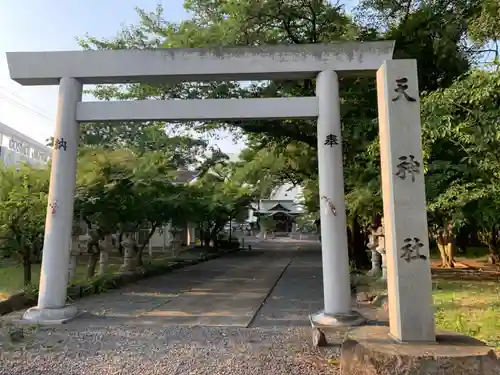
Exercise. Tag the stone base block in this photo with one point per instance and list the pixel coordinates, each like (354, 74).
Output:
(322, 319)
(36, 315)
(369, 350)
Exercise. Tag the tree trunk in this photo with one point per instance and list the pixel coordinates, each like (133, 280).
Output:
(138, 255)
(493, 255)
(202, 234)
(94, 253)
(462, 239)
(446, 240)
(37, 251)
(214, 234)
(27, 268)
(93, 259)
(358, 256)
(207, 240)
(120, 239)
(141, 248)
(474, 236)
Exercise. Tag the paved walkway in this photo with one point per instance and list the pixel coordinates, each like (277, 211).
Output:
(258, 288)
(246, 313)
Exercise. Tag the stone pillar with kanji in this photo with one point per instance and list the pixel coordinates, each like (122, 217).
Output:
(409, 284)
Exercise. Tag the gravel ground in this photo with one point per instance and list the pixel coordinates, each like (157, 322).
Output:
(117, 337)
(164, 350)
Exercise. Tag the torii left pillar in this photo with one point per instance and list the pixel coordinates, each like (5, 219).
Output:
(52, 296)
(336, 278)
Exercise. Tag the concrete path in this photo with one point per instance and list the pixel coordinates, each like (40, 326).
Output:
(276, 285)
(298, 293)
(224, 292)
(231, 291)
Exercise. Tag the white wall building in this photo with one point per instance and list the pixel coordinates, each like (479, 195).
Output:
(284, 205)
(16, 148)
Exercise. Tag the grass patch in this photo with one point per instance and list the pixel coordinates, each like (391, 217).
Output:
(475, 252)
(469, 307)
(11, 277)
(11, 274)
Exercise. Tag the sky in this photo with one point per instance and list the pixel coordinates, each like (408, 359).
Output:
(54, 25)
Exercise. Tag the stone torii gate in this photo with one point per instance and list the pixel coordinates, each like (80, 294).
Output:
(409, 281)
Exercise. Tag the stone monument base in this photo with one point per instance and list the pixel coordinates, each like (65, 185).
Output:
(369, 350)
(62, 315)
(321, 319)
(322, 322)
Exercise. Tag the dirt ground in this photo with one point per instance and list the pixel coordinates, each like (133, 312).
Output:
(467, 269)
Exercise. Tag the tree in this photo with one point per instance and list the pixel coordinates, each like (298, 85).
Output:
(23, 207)
(220, 200)
(432, 32)
(485, 28)
(122, 190)
(104, 195)
(462, 139)
(154, 182)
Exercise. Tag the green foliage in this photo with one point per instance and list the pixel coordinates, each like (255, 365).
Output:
(119, 190)
(485, 26)
(459, 146)
(104, 192)
(221, 199)
(306, 222)
(462, 139)
(23, 205)
(113, 186)
(267, 223)
(433, 32)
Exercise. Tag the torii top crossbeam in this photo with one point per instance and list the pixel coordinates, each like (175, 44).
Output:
(197, 64)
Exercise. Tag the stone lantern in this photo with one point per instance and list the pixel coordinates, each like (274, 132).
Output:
(129, 252)
(77, 246)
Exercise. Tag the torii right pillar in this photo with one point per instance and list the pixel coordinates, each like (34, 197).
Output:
(409, 283)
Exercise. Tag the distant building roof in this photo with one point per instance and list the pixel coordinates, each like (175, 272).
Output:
(286, 192)
(279, 207)
(183, 176)
(272, 206)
